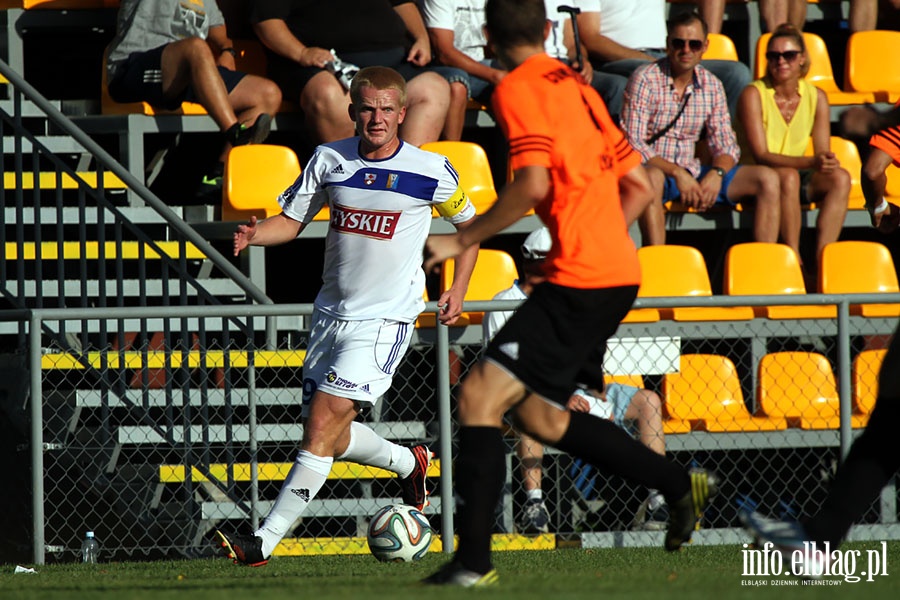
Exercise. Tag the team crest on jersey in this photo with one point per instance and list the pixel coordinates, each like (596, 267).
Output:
(392, 181)
(369, 178)
(338, 170)
(379, 224)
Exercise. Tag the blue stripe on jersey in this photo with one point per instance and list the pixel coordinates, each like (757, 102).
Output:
(410, 184)
(452, 171)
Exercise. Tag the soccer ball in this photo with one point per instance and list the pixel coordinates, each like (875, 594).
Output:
(399, 533)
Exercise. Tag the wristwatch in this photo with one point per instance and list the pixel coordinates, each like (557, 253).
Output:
(720, 171)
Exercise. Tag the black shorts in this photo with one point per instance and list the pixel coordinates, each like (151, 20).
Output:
(138, 78)
(292, 77)
(556, 340)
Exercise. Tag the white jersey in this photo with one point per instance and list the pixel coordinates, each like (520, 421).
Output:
(465, 18)
(618, 18)
(380, 216)
(496, 319)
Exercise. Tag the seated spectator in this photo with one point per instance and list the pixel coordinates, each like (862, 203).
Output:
(631, 34)
(560, 44)
(170, 52)
(303, 37)
(622, 404)
(858, 124)
(779, 113)
(866, 15)
(456, 30)
(668, 104)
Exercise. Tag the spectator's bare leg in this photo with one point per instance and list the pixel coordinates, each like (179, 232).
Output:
(652, 220)
(873, 179)
(831, 191)
(789, 180)
(428, 99)
(456, 114)
(646, 410)
(760, 183)
(863, 15)
(190, 62)
(325, 106)
(713, 12)
(531, 458)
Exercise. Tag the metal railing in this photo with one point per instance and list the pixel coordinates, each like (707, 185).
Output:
(189, 439)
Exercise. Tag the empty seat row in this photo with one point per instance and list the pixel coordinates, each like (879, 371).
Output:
(794, 390)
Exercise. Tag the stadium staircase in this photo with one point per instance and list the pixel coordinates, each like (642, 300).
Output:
(121, 396)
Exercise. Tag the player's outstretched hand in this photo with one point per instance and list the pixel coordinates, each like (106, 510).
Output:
(243, 235)
(439, 248)
(451, 303)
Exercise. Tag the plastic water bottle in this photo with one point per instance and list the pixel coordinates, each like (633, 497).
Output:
(89, 548)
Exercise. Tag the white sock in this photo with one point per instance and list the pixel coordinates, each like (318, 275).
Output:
(537, 494)
(368, 448)
(303, 482)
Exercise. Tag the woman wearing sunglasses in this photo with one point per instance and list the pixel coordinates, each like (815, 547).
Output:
(779, 114)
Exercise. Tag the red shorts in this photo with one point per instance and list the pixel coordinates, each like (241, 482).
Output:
(888, 140)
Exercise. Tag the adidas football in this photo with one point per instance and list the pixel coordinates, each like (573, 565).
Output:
(399, 533)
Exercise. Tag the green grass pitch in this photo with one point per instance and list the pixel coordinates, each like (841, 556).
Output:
(703, 572)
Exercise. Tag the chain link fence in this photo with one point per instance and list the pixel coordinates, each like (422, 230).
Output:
(158, 427)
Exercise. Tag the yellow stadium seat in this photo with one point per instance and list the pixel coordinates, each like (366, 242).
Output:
(254, 177)
(680, 271)
(848, 155)
(892, 191)
(471, 162)
(761, 268)
(495, 271)
(632, 380)
(800, 387)
(720, 48)
(820, 71)
(858, 267)
(707, 392)
(873, 64)
(866, 367)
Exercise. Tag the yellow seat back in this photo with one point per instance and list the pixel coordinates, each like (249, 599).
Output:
(866, 367)
(799, 386)
(471, 162)
(495, 271)
(764, 268)
(254, 177)
(720, 48)
(860, 267)
(873, 64)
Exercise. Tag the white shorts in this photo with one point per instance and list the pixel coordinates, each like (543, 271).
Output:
(353, 359)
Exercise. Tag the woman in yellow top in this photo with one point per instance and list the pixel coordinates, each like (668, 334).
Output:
(779, 114)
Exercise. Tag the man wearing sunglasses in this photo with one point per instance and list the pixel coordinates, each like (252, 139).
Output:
(669, 104)
(625, 35)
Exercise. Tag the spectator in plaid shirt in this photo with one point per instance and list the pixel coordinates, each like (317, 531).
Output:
(668, 105)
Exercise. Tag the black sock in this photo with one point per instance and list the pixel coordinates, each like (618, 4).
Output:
(480, 472)
(610, 449)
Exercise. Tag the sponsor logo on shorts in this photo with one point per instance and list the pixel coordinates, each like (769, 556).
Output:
(340, 382)
(301, 493)
(379, 224)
